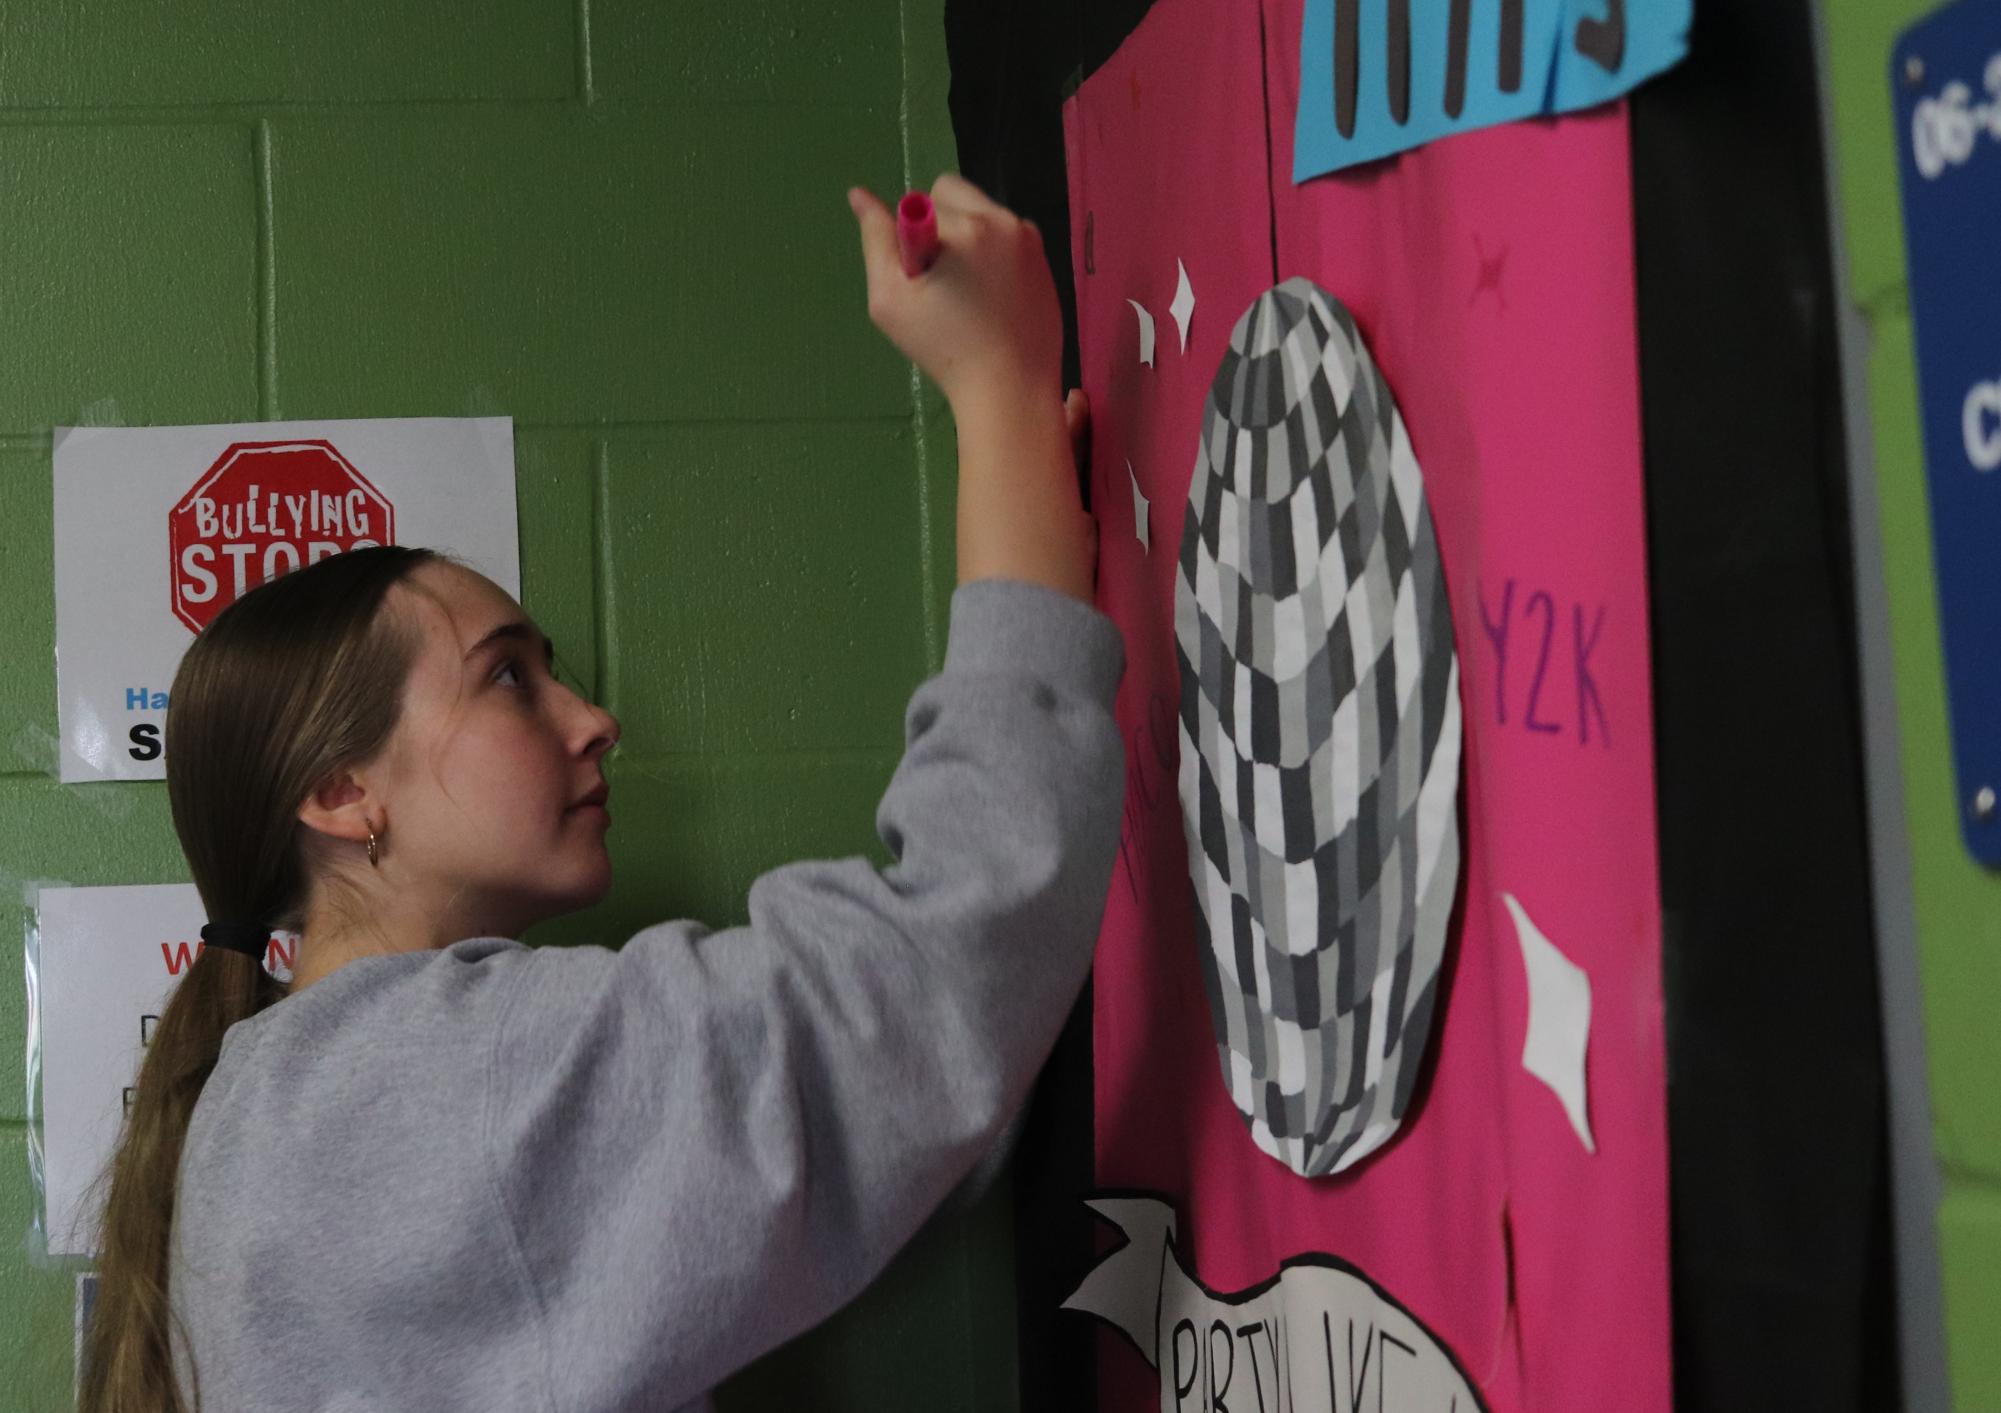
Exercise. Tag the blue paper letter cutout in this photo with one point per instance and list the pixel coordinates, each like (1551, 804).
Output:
(1382, 76)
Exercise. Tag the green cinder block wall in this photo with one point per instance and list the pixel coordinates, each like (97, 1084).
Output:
(1958, 903)
(622, 223)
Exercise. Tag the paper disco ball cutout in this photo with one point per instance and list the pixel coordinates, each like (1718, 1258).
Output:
(1320, 730)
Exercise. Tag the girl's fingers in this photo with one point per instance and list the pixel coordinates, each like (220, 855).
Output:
(1077, 416)
(878, 236)
(955, 228)
(956, 193)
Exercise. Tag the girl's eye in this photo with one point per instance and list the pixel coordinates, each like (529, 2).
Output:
(510, 665)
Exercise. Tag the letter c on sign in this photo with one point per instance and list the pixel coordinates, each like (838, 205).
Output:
(1980, 422)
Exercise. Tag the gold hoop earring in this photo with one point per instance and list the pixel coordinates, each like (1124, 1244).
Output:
(371, 848)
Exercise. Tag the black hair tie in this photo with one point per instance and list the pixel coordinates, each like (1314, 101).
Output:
(249, 938)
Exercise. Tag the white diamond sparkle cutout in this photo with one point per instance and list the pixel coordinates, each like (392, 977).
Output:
(1139, 512)
(1559, 1026)
(1145, 332)
(1184, 304)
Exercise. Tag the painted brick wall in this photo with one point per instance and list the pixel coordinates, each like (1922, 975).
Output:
(1958, 904)
(622, 223)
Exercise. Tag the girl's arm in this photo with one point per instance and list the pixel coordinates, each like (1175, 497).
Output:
(706, 1142)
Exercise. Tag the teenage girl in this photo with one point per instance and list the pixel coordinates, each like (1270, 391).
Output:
(442, 1170)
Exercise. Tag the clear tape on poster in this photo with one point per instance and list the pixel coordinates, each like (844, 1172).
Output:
(33, 749)
(36, 1239)
(79, 1267)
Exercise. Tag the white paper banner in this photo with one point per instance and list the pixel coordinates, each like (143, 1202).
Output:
(157, 529)
(109, 960)
(1320, 1335)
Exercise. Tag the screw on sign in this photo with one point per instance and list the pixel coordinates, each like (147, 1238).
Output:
(262, 510)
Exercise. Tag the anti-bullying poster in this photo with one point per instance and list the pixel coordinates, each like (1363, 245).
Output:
(1379, 1088)
(158, 529)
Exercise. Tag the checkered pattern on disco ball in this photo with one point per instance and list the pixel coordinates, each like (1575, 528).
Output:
(1320, 733)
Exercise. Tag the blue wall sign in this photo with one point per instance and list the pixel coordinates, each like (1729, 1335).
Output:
(1945, 78)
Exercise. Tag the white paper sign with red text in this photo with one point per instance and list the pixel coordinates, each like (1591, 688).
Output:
(108, 960)
(158, 529)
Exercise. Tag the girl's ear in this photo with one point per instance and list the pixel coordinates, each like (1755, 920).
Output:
(340, 806)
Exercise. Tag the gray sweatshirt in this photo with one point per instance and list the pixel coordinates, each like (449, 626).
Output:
(578, 1180)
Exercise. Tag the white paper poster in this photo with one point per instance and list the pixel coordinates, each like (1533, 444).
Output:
(158, 529)
(109, 960)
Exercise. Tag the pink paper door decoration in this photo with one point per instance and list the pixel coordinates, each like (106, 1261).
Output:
(1446, 1189)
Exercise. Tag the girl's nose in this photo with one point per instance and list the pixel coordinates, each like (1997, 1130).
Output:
(608, 729)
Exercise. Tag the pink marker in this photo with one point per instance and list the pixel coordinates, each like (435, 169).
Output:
(916, 232)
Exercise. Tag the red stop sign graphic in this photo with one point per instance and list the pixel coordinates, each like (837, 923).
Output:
(262, 510)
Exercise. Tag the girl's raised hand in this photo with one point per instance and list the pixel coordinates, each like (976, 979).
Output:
(983, 321)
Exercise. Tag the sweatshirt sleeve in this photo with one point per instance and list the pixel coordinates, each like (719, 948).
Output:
(707, 1141)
